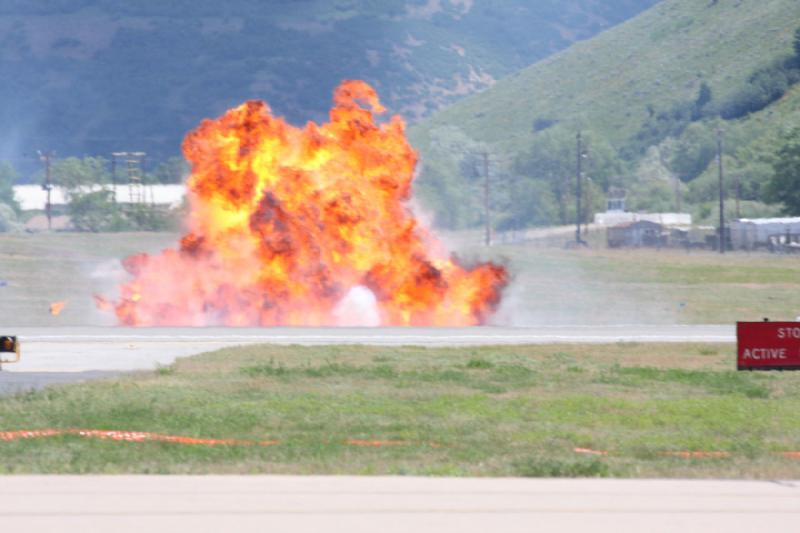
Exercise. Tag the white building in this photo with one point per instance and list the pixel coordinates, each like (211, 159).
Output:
(34, 197)
(751, 233)
(615, 218)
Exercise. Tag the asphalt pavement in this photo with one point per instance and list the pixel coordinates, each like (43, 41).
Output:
(110, 348)
(301, 504)
(74, 354)
(16, 382)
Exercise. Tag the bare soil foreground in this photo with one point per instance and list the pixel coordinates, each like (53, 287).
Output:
(620, 410)
(550, 285)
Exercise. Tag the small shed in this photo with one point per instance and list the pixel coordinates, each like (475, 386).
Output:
(639, 234)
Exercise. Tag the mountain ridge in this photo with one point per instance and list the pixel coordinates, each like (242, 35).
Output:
(94, 76)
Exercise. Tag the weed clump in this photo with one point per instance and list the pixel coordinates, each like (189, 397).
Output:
(480, 364)
(549, 467)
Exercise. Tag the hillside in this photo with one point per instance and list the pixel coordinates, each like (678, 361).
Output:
(621, 82)
(607, 83)
(92, 76)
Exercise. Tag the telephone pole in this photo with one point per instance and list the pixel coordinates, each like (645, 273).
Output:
(578, 193)
(486, 200)
(46, 157)
(721, 193)
(134, 163)
(589, 204)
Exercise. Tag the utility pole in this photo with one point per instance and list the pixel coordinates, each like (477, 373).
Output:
(721, 193)
(738, 196)
(134, 163)
(589, 203)
(486, 198)
(578, 193)
(46, 157)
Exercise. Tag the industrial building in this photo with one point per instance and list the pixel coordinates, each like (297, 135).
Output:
(34, 197)
(773, 234)
(639, 234)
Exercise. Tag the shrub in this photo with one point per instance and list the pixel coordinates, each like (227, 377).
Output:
(549, 467)
(764, 86)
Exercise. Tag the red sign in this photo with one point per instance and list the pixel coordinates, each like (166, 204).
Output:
(768, 345)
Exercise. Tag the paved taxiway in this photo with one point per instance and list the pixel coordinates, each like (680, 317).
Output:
(368, 504)
(119, 349)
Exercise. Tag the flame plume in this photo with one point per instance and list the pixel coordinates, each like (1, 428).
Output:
(285, 221)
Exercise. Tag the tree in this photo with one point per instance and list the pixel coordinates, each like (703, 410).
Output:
(694, 150)
(93, 211)
(784, 186)
(452, 179)
(531, 204)
(797, 45)
(74, 173)
(704, 98)
(552, 160)
(7, 178)
(91, 204)
(173, 170)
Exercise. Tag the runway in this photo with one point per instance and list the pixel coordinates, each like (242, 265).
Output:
(84, 349)
(393, 504)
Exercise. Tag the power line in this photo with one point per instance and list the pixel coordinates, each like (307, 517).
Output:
(578, 192)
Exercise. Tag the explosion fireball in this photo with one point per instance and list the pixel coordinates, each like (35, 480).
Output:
(286, 224)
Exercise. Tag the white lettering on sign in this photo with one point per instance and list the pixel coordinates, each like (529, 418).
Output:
(789, 333)
(765, 354)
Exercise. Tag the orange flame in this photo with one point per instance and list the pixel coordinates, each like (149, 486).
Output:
(57, 307)
(286, 221)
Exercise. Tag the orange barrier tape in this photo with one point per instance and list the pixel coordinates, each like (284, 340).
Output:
(589, 451)
(129, 436)
(381, 443)
(687, 454)
(142, 436)
(376, 443)
(695, 454)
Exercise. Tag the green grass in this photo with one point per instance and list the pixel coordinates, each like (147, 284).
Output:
(550, 285)
(599, 286)
(492, 411)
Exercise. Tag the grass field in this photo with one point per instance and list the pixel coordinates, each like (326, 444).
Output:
(42, 268)
(550, 285)
(647, 286)
(494, 411)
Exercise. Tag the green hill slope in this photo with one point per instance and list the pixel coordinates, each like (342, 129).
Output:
(607, 83)
(93, 76)
(617, 84)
